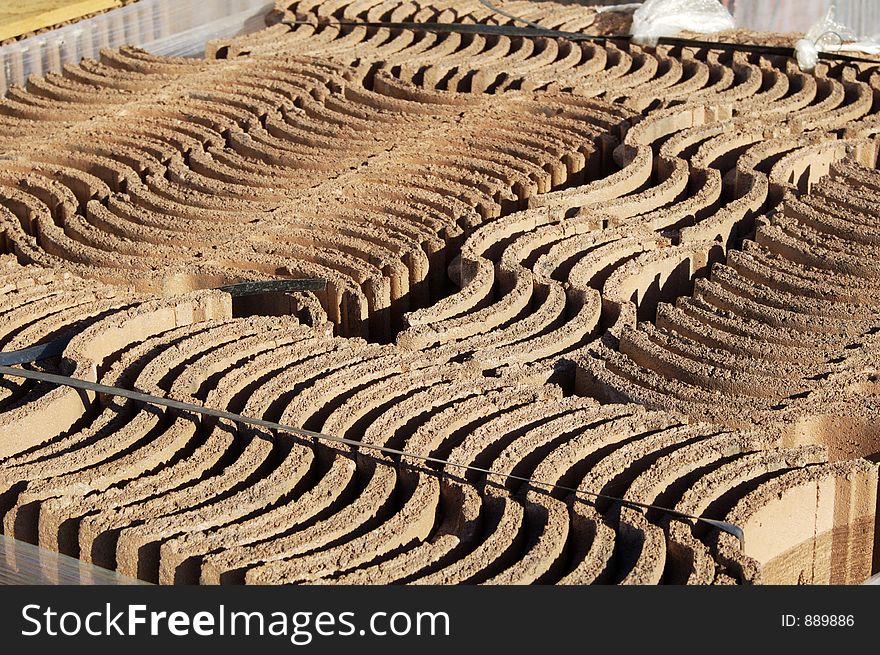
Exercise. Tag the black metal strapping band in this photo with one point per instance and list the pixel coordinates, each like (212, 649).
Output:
(150, 399)
(536, 32)
(274, 286)
(460, 28)
(498, 10)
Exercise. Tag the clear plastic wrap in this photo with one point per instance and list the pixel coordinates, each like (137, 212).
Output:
(862, 16)
(178, 28)
(22, 563)
(659, 18)
(828, 35)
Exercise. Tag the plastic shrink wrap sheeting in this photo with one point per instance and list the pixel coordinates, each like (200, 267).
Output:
(176, 28)
(861, 16)
(23, 563)
(659, 18)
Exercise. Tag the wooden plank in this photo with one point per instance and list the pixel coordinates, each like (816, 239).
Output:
(19, 17)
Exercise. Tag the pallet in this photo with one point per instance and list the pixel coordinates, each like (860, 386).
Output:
(18, 17)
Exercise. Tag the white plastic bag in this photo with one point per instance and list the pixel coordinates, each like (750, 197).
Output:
(658, 18)
(828, 35)
(824, 36)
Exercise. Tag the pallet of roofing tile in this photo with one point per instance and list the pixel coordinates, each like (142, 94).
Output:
(647, 273)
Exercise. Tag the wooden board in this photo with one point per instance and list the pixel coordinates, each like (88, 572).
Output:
(19, 17)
